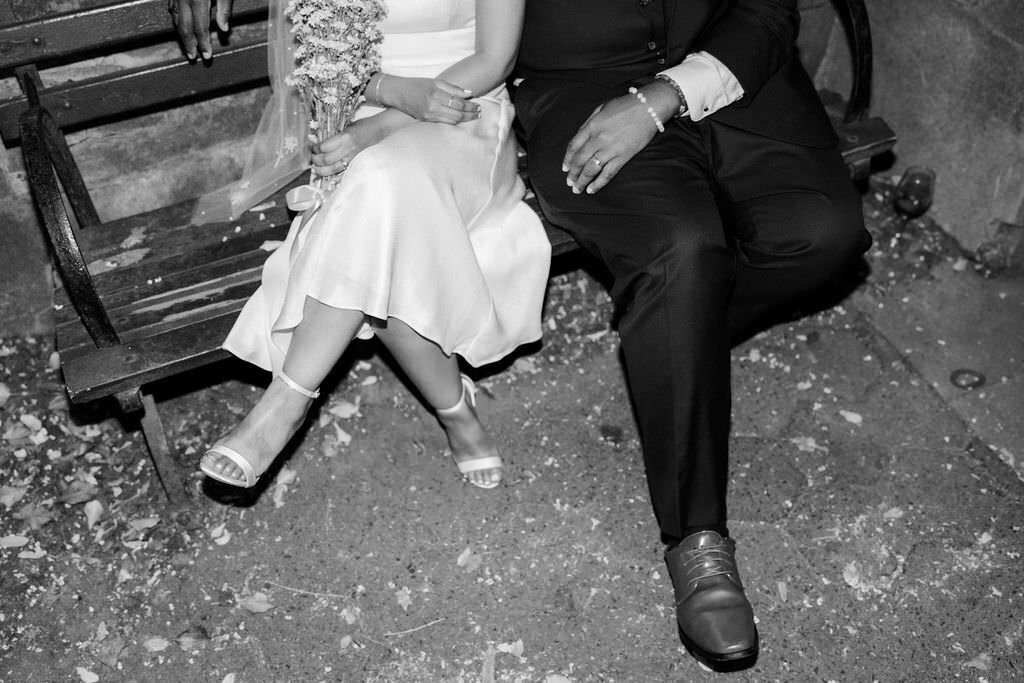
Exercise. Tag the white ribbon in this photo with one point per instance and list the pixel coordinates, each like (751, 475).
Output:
(305, 198)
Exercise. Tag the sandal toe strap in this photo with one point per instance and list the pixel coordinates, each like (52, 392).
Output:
(249, 474)
(485, 462)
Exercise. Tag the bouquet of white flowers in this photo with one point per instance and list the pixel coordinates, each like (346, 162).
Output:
(338, 50)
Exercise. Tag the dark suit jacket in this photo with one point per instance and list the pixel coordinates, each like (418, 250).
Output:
(618, 42)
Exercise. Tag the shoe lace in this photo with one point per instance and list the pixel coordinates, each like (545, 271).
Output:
(703, 563)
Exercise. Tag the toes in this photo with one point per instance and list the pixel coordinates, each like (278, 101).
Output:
(486, 478)
(222, 466)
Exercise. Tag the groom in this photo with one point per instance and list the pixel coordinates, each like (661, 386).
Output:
(681, 143)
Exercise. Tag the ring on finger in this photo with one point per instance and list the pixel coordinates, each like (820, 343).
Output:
(597, 162)
(450, 100)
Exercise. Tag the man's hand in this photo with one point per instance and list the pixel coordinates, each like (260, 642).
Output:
(613, 134)
(192, 19)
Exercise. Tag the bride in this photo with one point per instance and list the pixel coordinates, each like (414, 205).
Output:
(424, 242)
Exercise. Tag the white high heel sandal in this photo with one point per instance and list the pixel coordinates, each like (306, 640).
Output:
(249, 476)
(486, 461)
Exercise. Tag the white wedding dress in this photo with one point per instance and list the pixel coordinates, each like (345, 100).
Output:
(426, 226)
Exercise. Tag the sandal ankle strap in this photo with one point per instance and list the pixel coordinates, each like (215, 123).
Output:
(468, 396)
(295, 386)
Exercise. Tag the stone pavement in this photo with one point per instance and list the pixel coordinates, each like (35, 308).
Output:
(877, 509)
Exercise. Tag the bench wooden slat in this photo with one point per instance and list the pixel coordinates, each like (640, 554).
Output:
(94, 373)
(173, 305)
(132, 91)
(57, 36)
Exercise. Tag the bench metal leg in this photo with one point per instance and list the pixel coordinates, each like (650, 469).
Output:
(167, 471)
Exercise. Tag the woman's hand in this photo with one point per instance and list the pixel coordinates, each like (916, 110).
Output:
(334, 154)
(613, 134)
(429, 99)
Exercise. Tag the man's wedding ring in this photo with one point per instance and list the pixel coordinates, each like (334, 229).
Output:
(597, 161)
(450, 100)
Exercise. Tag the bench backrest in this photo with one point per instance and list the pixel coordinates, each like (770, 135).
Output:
(70, 37)
(27, 47)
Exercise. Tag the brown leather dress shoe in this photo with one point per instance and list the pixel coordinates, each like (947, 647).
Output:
(716, 622)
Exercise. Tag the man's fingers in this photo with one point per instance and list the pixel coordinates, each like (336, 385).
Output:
(186, 28)
(589, 168)
(572, 151)
(607, 173)
(201, 20)
(224, 15)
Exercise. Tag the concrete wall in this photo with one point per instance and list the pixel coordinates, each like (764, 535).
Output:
(948, 80)
(945, 79)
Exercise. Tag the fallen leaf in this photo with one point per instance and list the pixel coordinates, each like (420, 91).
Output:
(93, 511)
(515, 649)
(156, 644)
(345, 409)
(468, 560)
(851, 575)
(851, 416)
(109, 651)
(85, 675)
(33, 554)
(404, 597)
(220, 534)
(5, 393)
(78, 491)
(35, 515)
(257, 603)
(284, 478)
(193, 638)
(343, 437)
(58, 403)
(144, 523)
(9, 495)
(807, 444)
(13, 541)
(982, 662)
(17, 432)
(32, 422)
(893, 513)
(230, 678)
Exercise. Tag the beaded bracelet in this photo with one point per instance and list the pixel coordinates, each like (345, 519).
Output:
(683, 107)
(650, 110)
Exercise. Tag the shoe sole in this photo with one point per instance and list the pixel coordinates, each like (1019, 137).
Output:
(734, 661)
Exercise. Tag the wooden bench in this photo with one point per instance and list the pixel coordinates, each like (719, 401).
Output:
(149, 296)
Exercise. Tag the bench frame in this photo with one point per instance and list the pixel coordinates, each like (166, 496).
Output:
(99, 358)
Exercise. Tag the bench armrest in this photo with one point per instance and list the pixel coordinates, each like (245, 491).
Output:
(854, 16)
(53, 178)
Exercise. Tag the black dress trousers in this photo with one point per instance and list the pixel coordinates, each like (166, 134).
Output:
(707, 232)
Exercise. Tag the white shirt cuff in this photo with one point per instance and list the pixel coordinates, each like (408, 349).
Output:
(707, 84)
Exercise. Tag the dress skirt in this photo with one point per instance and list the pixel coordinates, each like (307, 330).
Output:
(426, 226)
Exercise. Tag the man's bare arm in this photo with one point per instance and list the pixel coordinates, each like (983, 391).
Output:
(192, 20)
